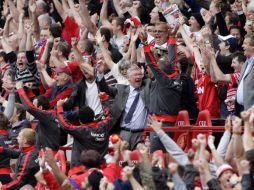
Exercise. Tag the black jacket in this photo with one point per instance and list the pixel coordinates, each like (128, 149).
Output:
(26, 167)
(78, 96)
(13, 131)
(4, 142)
(48, 129)
(90, 136)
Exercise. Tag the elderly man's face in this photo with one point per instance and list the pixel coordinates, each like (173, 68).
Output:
(135, 76)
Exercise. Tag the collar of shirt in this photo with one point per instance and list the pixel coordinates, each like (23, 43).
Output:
(250, 60)
(162, 47)
(132, 89)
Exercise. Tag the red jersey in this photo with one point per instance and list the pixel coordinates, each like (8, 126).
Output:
(232, 88)
(208, 96)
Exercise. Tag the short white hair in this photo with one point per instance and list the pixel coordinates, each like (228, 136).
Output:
(133, 67)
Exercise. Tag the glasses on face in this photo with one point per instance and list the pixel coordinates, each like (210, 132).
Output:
(159, 31)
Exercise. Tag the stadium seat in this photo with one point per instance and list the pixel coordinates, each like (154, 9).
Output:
(181, 138)
(203, 120)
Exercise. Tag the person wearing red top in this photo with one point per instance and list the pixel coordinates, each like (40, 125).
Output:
(4, 66)
(27, 164)
(63, 86)
(238, 60)
(208, 96)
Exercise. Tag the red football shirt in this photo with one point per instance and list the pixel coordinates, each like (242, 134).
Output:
(208, 96)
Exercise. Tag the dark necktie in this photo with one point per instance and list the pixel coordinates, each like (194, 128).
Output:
(132, 109)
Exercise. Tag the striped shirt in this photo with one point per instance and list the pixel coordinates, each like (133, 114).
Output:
(232, 88)
(110, 79)
(30, 74)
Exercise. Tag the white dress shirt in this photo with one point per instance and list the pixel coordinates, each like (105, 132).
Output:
(239, 93)
(139, 118)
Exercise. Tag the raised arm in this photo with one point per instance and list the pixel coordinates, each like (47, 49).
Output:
(237, 141)
(60, 10)
(248, 117)
(21, 26)
(171, 147)
(128, 172)
(216, 157)
(205, 171)
(225, 139)
(36, 26)
(108, 60)
(104, 14)
(14, 11)
(65, 5)
(29, 40)
(193, 47)
(118, 8)
(7, 25)
(46, 80)
(86, 19)
(79, 58)
(9, 109)
(45, 55)
(60, 177)
(219, 76)
(162, 78)
(36, 112)
(74, 10)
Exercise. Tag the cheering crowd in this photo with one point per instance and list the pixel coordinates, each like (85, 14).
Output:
(91, 75)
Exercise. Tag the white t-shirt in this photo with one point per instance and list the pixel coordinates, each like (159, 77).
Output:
(118, 41)
(92, 98)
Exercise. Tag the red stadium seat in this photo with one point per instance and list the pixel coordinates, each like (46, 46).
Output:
(203, 120)
(182, 119)
(181, 138)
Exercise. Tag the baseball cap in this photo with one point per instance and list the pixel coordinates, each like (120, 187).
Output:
(63, 69)
(222, 169)
(230, 40)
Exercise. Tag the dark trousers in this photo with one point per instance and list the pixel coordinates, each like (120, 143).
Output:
(132, 138)
(238, 109)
